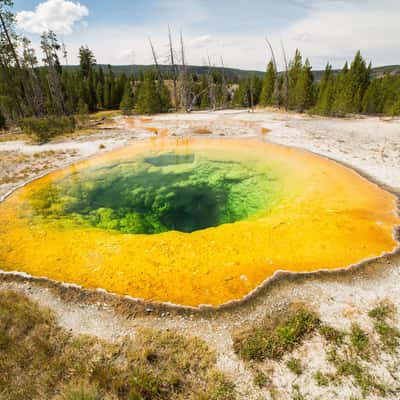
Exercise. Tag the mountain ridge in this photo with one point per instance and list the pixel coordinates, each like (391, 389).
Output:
(230, 73)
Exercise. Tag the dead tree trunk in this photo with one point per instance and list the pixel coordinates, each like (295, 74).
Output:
(26, 93)
(210, 83)
(275, 95)
(174, 70)
(153, 52)
(224, 86)
(251, 95)
(183, 78)
(286, 78)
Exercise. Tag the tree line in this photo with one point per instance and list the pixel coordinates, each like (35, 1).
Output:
(352, 90)
(30, 89)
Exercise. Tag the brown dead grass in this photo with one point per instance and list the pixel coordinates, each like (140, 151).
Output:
(16, 167)
(40, 360)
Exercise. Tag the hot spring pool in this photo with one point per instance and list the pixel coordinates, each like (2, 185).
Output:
(194, 221)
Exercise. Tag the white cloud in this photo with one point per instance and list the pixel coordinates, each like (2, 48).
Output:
(200, 41)
(338, 28)
(327, 30)
(56, 15)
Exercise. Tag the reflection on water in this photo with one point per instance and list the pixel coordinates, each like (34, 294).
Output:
(194, 221)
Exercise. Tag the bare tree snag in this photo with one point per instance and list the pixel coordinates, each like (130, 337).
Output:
(174, 69)
(286, 78)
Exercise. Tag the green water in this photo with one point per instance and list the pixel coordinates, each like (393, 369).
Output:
(158, 193)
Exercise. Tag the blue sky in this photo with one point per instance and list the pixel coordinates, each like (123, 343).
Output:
(117, 31)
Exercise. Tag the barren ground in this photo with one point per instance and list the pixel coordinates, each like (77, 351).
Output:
(370, 145)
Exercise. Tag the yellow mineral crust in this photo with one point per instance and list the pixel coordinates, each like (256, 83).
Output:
(329, 217)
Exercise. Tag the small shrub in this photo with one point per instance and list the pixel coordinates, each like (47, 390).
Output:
(294, 364)
(45, 128)
(293, 331)
(144, 385)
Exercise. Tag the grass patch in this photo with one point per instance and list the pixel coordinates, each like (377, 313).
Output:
(381, 312)
(100, 115)
(321, 379)
(155, 365)
(260, 379)
(296, 393)
(388, 334)
(359, 340)
(362, 378)
(351, 367)
(294, 364)
(331, 334)
(275, 338)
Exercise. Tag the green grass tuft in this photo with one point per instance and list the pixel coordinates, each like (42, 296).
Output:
(359, 340)
(321, 379)
(274, 340)
(389, 335)
(331, 334)
(294, 364)
(260, 379)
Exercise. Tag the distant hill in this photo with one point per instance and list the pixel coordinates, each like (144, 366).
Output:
(136, 69)
(230, 73)
(377, 72)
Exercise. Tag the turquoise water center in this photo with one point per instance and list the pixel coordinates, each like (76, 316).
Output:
(159, 192)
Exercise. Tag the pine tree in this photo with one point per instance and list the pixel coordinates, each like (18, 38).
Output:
(358, 81)
(100, 94)
(326, 92)
(373, 99)
(303, 91)
(148, 99)
(82, 107)
(107, 95)
(205, 101)
(2, 121)
(86, 61)
(294, 73)
(165, 97)
(339, 105)
(50, 47)
(127, 102)
(267, 92)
